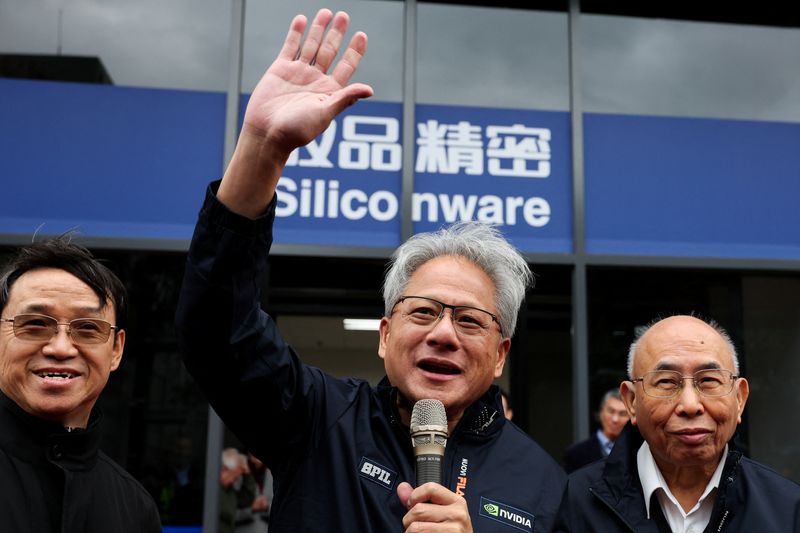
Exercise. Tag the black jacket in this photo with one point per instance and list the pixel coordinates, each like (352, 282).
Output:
(582, 453)
(52, 480)
(607, 496)
(336, 448)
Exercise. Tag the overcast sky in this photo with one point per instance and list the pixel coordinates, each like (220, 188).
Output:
(466, 55)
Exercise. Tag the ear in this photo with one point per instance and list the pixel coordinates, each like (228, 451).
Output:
(116, 352)
(383, 338)
(742, 393)
(627, 390)
(502, 353)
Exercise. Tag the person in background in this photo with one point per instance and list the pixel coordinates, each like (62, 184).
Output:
(339, 449)
(62, 318)
(613, 416)
(256, 519)
(674, 468)
(237, 489)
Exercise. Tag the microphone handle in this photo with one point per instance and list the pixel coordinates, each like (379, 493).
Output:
(429, 468)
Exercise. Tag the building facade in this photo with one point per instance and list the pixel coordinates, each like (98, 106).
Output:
(644, 159)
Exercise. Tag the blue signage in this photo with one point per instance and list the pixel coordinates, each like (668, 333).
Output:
(106, 161)
(692, 187)
(132, 163)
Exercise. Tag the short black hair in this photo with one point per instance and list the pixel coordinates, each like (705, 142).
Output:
(61, 253)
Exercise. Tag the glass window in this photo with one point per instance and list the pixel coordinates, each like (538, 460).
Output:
(676, 68)
(772, 349)
(492, 57)
(180, 44)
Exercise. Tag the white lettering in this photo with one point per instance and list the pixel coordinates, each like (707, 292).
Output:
(536, 212)
(322, 199)
(514, 517)
(456, 207)
(348, 210)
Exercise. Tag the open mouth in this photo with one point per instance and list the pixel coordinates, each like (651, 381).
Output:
(438, 368)
(56, 375)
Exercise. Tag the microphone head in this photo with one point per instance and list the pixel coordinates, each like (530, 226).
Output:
(428, 427)
(428, 413)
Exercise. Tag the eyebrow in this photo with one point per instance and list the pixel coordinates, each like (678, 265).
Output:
(711, 365)
(44, 308)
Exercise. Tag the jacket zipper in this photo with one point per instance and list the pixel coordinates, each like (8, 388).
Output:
(613, 510)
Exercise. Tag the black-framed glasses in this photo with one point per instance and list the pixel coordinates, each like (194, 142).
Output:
(712, 382)
(42, 328)
(425, 312)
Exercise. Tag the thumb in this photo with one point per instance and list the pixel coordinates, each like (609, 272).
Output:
(404, 491)
(348, 96)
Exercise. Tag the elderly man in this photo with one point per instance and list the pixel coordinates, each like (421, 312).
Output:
(60, 337)
(613, 416)
(340, 450)
(677, 472)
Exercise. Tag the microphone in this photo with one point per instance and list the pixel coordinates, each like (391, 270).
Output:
(428, 437)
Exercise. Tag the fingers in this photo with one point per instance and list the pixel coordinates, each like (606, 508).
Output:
(291, 45)
(333, 40)
(432, 504)
(314, 38)
(348, 64)
(320, 47)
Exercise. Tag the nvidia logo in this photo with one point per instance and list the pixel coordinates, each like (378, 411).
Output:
(492, 509)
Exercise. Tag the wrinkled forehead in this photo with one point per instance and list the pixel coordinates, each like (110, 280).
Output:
(685, 344)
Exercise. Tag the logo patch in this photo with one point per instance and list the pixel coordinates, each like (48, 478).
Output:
(377, 473)
(505, 514)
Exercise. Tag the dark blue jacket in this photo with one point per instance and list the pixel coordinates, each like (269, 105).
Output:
(336, 447)
(607, 496)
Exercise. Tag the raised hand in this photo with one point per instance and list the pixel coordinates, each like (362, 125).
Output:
(294, 101)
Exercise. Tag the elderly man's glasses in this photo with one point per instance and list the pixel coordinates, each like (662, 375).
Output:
(669, 383)
(42, 328)
(425, 312)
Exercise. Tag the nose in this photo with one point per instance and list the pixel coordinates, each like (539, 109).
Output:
(689, 401)
(60, 344)
(444, 330)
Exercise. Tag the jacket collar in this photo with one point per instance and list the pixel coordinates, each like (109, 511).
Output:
(39, 441)
(481, 419)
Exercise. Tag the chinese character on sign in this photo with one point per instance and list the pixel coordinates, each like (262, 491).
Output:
(446, 148)
(518, 151)
(368, 143)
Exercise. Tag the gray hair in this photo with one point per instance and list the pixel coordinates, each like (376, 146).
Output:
(611, 393)
(713, 324)
(477, 242)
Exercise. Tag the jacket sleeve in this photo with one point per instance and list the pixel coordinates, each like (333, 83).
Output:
(251, 377)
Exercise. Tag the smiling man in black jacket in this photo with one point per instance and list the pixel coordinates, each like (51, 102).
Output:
(673, 469)
(60, 338)
(340, 450)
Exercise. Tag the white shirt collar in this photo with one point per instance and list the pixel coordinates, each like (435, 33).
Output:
(652, 480)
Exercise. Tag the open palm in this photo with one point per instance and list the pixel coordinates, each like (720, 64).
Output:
(297, 98)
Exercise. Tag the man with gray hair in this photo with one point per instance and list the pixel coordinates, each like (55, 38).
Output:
(340, 450)
(674, 468)
(613, 416)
